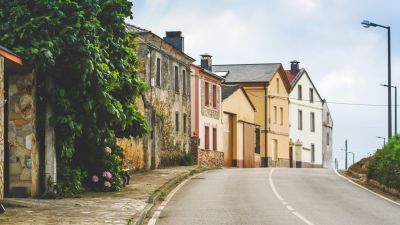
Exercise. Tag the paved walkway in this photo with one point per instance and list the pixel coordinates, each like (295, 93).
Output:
(93, 207)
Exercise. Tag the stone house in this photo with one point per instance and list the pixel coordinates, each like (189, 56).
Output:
(241, 134)
(206, 114)
(327, 129)
(305, 119)
(27, 154)
(167, 101)
(268, 88)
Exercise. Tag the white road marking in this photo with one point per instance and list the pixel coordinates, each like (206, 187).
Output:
(157, 213)
(302, 218)
(271, 184)
(290, 208)
(360, 186)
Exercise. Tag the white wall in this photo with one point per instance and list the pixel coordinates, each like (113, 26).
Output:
(306, 136)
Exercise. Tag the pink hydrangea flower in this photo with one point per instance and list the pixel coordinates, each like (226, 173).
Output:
(107, 174)
(95, 179)
(107, 184)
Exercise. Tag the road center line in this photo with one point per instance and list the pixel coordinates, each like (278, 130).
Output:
(291, 209)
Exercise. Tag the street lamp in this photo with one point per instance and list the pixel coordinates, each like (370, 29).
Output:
(384, 139)
(395, 106)
(368, 24)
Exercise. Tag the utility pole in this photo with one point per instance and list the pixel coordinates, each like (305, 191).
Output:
(345, 165)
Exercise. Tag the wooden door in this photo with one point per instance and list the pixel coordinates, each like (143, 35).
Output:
(291, 157)
(249, 145)
(228, 139)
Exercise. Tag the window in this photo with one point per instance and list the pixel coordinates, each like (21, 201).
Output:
(184, 123)
(277, 85)
(299, 93)
(214, 138)
(207, 94)
(312, 122)
(311, 95)
(207, 138)
(281, 112)
(158, 76)
(327, 139)
(257, 150)
(184, 82)
(327, 117)
(312, 153)
(275, 149)
(214, 94)
(176, 80)
(300, 119)
(176, 121)
(275, 115)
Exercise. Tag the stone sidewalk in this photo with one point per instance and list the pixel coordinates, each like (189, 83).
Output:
(93, 207)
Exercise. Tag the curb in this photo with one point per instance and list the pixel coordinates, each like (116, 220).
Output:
(367, 189)
(166, 187)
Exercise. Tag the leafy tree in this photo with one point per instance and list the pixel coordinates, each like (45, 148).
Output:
(82, 46)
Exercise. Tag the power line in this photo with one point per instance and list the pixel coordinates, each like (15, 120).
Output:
(333, 102)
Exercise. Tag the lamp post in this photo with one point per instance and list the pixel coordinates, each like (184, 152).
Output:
(395, 106)
(367, 24)
(384, 139)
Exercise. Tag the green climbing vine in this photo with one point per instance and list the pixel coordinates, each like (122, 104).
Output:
(83, 48)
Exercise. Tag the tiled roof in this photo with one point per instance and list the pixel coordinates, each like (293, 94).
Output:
(228, 90)
(248, 72)
(136, 29)
(291, 76)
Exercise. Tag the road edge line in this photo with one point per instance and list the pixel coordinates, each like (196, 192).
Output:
(367, 189)
(157, 212)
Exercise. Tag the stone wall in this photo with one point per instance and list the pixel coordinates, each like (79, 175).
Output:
(210, 158)
(280, 163)
(133, 152)
(23, 154)
(162, 102)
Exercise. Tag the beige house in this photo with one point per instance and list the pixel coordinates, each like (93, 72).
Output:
(268, 89)
(241, 134)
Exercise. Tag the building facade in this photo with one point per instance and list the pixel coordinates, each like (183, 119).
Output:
(327, 129)
(305, 120)
(268, 89)
(241, 134)
(167, 101)
(206, 114)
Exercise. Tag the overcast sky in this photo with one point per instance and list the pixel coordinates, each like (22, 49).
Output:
(346, 61)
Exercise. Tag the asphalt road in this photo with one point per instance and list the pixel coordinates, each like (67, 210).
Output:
(275, 196)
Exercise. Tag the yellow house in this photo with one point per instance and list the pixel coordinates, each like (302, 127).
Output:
(241, 134)
(268, 89)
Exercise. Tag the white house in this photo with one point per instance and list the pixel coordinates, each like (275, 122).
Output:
(305, 119)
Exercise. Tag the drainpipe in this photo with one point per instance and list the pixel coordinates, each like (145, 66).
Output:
(265, 125)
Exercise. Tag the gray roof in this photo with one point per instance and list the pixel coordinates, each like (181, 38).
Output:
(228, 90)
(135, 29)
(242, 73)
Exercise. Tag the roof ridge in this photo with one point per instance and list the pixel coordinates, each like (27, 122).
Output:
(246, 64)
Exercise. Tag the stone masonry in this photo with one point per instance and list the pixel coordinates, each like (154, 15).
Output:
(210, 158)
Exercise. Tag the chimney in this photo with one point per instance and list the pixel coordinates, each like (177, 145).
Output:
(175, 38)
(294, 66)
(206, 62)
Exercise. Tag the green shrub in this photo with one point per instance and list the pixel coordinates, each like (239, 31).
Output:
(384, 166)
